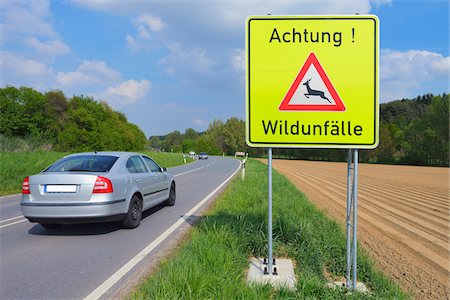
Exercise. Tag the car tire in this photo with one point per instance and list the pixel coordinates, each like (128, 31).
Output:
(50, 225)
(172, 195)
(134, 214)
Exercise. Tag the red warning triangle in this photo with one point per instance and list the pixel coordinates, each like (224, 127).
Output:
(312, 90)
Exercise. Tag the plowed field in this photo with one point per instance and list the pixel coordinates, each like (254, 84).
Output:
(403, 221)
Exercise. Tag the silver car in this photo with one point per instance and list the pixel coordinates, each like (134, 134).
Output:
(96, 187)
(203, 155)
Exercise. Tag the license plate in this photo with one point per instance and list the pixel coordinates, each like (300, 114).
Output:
(59, 188)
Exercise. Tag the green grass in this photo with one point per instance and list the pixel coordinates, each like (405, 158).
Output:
(15, 166)
(212, 262)
(168, 160)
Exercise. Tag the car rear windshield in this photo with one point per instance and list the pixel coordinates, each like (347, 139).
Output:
(84, 163)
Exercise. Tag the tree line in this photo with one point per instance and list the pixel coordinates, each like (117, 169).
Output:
(412, 131)
(64, 124)
(220, 138)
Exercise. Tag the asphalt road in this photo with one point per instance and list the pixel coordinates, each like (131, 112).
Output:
(100, 260)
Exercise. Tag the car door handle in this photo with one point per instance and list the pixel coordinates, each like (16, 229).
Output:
(138, 180)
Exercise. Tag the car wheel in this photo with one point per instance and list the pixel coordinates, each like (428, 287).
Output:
(50, 225)
(172, 196)
(134, 214)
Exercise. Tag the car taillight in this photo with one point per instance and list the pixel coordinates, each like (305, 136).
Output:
(102, 185)
(26, 186)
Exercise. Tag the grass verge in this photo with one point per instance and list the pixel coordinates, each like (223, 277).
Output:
(166, 159)
(15, 166)
(212, 262)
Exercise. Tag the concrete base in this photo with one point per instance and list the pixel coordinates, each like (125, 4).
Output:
(360, 287)
(284, 279)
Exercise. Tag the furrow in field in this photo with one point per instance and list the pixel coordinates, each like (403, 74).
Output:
(431, 204)
(426, 232)
(439, 201)
(366, 173)
(414, 207)
(422, 192)
(413, 246)
(409, 188)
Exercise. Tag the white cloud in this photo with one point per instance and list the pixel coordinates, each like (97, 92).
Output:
(30, 18)
(30, 23)
(379, 3)
(217, 13)
(238, 60)
(413, 72)
(49, 48)
(89, 73)
(127, 92)
(18, 70)
(199, 122)
(148, 22)
(200, 35)
(187, 60)
(147, 26)
(132, 43)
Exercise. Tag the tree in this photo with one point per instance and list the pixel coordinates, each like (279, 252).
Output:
(155, 142)
(190, 134)
(12, 115)
(173, 141)
(215, 137)
(234, 135)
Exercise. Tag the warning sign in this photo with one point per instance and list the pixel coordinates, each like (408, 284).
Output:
(312, 81)
(312, 90)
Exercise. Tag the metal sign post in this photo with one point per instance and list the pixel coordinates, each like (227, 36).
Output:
(352, 218)
(302, 93)
(269, 223)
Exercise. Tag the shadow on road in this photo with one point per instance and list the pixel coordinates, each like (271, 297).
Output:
(89, 228)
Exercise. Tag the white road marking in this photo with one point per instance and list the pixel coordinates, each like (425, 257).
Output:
(188, 172)
(105, 286)
(10, 224)
(7, 220)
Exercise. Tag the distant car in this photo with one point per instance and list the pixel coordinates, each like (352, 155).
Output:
(96, 187)
(202, 155)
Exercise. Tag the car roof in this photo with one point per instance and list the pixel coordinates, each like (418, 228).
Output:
(109, 153)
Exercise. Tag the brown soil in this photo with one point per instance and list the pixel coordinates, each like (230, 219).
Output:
(403, 217)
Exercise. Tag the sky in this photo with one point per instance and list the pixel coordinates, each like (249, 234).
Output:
(172, 65)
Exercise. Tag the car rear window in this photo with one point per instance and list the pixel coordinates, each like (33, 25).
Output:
(84, 163)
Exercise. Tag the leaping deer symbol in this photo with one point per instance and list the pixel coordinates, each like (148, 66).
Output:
(312, 92)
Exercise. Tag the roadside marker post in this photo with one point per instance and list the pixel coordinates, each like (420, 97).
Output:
(313, 82)
(244, 161)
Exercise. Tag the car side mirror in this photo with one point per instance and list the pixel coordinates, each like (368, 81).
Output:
(164, 169)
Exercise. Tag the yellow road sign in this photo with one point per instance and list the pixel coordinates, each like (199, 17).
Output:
(312, 81)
